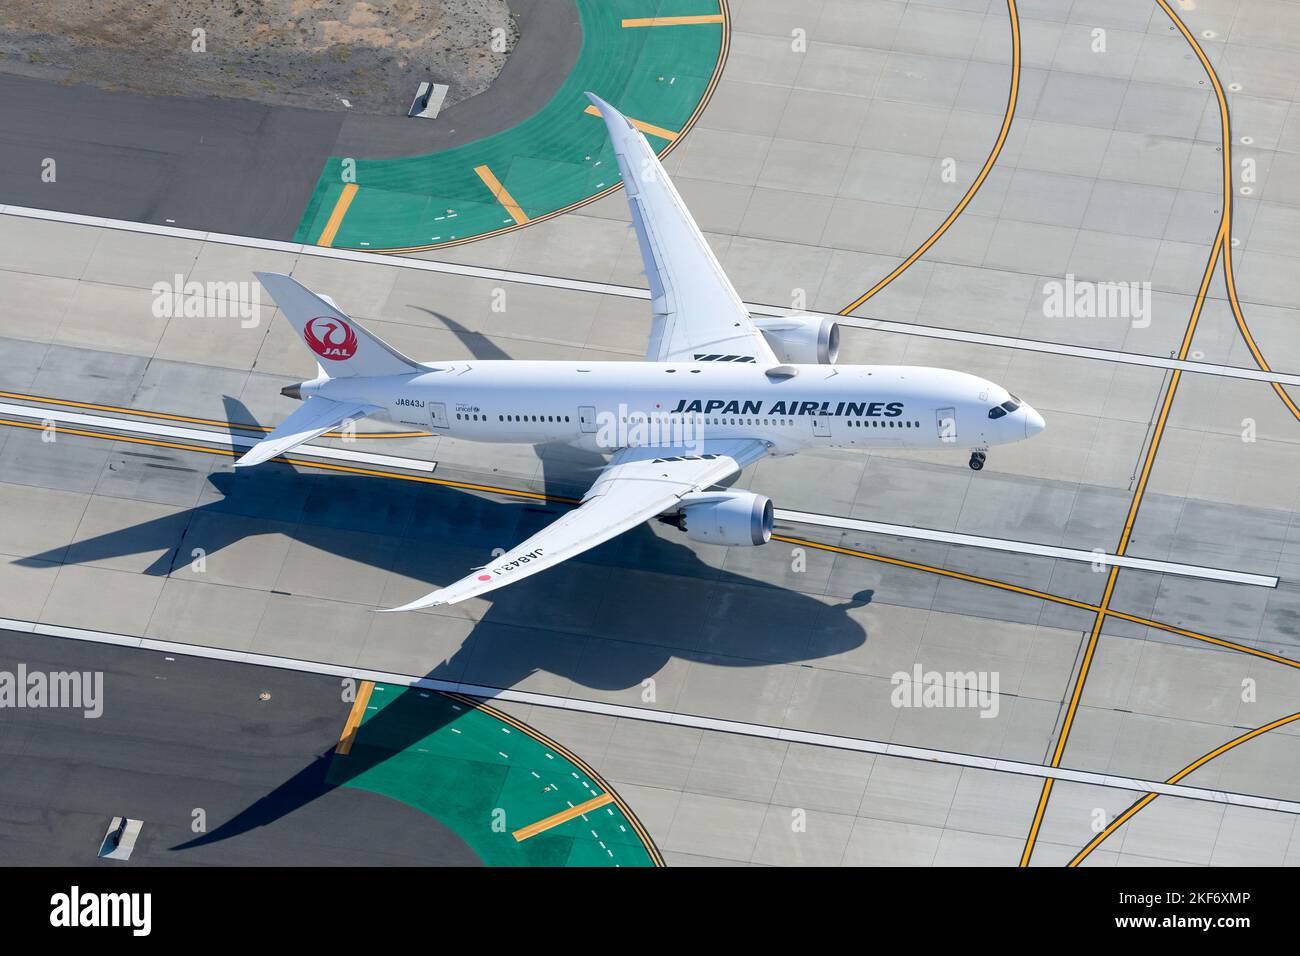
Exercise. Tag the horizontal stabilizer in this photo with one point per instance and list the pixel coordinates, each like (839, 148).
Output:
(317, 416)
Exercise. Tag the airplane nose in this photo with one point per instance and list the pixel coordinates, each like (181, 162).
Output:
(1033, 422)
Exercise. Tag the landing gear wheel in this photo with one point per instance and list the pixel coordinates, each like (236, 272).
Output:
(977, 459)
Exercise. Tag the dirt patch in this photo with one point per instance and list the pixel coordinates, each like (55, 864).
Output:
(323, 54)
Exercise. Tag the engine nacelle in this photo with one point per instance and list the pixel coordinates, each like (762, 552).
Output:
(735, 518)
(802, 339)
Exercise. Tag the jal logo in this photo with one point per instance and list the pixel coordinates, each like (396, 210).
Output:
(330, 338)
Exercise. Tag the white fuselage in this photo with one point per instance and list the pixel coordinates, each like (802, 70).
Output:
(604, 406)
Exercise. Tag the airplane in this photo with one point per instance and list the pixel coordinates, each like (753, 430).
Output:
(718, 390)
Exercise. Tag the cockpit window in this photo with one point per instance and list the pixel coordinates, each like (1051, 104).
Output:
(1010, 405)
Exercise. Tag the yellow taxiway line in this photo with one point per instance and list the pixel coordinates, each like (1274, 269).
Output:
(1039, 595)
(1103, 608)
(801, 542)
(647, 128)
(355, 716)
(188, 419)
(298, 462)
(672, 21)
(502, 195)
(1225, 136)
(336, 216)
(564, 816)
(944, 226)
(1133, 810)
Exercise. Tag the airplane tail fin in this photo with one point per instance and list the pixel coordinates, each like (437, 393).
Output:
(341, 347)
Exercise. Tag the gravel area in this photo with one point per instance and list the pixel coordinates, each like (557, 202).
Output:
(322, 54)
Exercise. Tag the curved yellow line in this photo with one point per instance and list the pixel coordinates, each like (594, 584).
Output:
(1220, 243)
(1229, 278)
(1133, 810)
(1012, 96)
(642, 833)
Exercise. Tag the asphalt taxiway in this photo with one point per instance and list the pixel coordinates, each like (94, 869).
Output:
(236, 166)
(221, 749)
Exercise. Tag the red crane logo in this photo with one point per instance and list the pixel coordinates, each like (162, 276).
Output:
(330, 338)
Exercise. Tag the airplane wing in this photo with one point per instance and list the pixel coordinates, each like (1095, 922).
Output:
(698, 316)
(316, 416)
(636, 485)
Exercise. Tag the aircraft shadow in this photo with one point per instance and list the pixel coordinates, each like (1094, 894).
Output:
(444, 532)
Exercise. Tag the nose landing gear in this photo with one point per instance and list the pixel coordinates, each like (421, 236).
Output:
(977, 459)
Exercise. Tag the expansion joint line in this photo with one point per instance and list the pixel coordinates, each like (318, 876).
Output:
(1012, 95)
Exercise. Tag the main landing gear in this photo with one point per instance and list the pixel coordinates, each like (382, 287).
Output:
(977, 459)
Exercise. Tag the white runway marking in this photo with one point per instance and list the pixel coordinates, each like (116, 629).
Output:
(156, 429)
(630, 292)
(160, 430)
(1025, 547)
(767, 731)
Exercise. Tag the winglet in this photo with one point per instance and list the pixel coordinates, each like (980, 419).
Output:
(429, 600)
(610, 115)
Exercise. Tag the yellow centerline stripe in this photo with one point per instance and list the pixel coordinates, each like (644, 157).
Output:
(1222, 245)
(1226, 148)
(943, 572)
(560, 499)
(1039, 595)
(230, 453)
(1008, 116)
(336, 216)
(672, 21)
(1133, 810)
(502, 194)
(564, 816)
(164, 416)
(1138, 493)
(1221, 242)
(1103, 609)
(643, 127)
(355, 716)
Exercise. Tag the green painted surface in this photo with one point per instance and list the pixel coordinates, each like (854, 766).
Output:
(555, 158)
(470, 770)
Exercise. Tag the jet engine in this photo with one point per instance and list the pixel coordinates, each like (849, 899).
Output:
(802, 339)
(736, 518)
